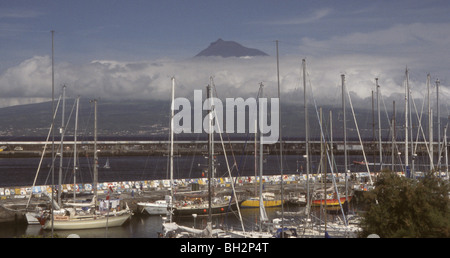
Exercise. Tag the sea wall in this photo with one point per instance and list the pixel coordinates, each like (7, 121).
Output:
(148, 185)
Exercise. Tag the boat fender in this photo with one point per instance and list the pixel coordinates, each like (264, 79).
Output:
(42, 219)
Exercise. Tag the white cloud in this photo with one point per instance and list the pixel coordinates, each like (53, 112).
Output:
(298, 20)
(315, 16)
(411, 41)
(362, 56)
(27, 79)
(18, 14)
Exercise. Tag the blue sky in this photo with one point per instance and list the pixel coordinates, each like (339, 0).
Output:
(148, 29)
(152, 40)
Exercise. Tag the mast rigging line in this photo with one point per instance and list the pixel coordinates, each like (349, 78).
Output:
(359, 135)
(43, 151)
(330, 163)
(420, 128)
(356, 124)
(238, 168)
(228, 136)
(65, 127)
(228, 167)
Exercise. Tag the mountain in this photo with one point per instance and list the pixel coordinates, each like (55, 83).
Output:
(115, 118)
(149, 119)
(229, 49)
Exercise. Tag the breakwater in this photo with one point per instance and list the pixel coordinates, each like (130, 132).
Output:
(194, 147)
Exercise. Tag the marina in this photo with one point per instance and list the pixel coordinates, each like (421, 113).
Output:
(133, 193)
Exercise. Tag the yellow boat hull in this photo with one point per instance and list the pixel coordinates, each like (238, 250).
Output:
(255, 203)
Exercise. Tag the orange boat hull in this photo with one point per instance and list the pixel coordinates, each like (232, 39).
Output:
(329, 202)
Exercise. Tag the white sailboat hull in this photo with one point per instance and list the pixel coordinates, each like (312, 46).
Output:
(155, 208)
(32, 218)
(90, 222)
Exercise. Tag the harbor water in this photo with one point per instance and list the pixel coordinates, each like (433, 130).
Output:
(139, 226)
(22, 171)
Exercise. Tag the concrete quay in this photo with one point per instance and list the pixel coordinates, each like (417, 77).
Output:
(157, 148)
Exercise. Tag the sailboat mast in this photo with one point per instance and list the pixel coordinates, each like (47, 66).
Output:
(61, 149)
(172, 108)
(210, 154)
(345, 135)
(393, 137)
(406, 123)
(379, 125)
(256, 156)
(261, 159)
(213, 171)
(281, 142)
(430, 123)
(95, 152)
(411, 135)
(53, 126)
(331, 140)
(75, 151)
(323, 167)
(305, 103)
(438, 125)
(446, 149)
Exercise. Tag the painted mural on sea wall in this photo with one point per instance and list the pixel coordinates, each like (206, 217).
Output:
(147, 185)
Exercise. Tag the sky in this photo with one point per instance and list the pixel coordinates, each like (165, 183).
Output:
(130, 49)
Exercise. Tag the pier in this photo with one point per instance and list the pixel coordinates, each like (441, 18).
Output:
(192, 147)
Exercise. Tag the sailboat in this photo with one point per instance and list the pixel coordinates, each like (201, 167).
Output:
(202, 207)
(169, 227)
(266, 199)
(164, 207)
(333, 199)
(107, 166)
(32, 216)
(269, 201)
(330, 200)
(77, 218)
(214, 205)
(158, 207)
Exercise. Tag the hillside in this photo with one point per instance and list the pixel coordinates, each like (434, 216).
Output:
(229, 49)
(151, 118)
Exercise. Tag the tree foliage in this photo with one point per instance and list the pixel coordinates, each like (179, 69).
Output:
(403, 207)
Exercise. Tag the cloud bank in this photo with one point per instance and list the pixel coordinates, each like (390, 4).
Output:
(30, 81)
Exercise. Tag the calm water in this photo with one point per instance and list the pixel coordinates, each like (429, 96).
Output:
(22, 171)
(140, 226)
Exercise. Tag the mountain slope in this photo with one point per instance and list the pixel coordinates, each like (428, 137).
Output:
(229, 49)
(151, 118)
